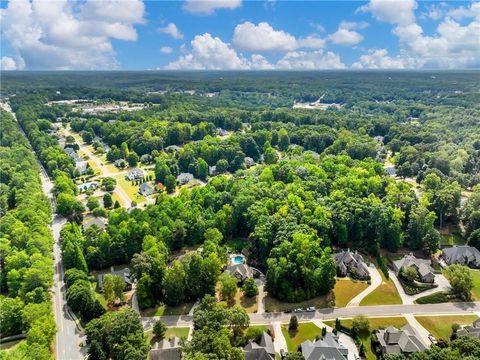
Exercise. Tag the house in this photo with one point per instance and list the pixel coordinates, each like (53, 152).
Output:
(222, 132)
(212, 170)
(100, 222)
(124, 273)
(184, 178)
(167, 350)
(146, 159)
(135, 174)
(69, 150)
(351, 263)
(326, 348)
(422, 266)
(249, 161)
(464, 255)
(240, 271)
(471, 330)
(395, 341)
(87, 186)
(261, 350)
(146, 189)
(81, 166)
(120, 163)
(173, 148)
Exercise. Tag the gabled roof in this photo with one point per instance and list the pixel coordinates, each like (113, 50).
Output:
(461, 254)
(263, 350)
(166, 350)
(327, 348)
(239, 270)
(421, 265)
(100, 222)
(347, 259)
(394, 341)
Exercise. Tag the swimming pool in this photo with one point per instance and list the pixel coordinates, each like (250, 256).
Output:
(237, 259)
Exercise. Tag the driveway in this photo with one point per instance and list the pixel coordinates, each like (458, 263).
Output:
(440, 280)
(421, 331)
(279, 341)
(343, 339)
(375, 281)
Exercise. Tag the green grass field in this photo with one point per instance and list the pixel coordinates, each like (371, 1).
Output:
(346, 289)
(130, 190)
(181, 332)
(275, 305)
(375, 323)
(168, 310)
(476, 284)
(306, 331)
(441, 326)
(385, 294)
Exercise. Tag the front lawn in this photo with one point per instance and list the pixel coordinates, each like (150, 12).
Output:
(346, 289)
(476, 284)
(375, 323)
(441, 326)
(275, 305)
(163, 310)
(130, 190)
(385, 294)
(181, 332)
(249, 304)
(306, 331)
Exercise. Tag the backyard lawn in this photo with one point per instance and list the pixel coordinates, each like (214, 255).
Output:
(130, 190)
(385, 294)
(476, 284)
(168, 310)
(375, 323)
(346, 289)
(306, 331)
(441, 326)
(181, 332)
(275, 305)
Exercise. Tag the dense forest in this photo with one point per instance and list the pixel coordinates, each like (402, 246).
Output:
(26, 274)
(292, 183)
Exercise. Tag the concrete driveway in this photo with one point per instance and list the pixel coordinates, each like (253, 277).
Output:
(440, 280)
(375, 281)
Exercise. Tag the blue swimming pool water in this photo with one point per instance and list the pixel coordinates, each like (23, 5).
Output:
(238, 260)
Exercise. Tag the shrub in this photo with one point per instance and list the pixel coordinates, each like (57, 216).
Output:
(435, 298)
(159, 330)
(293, 324)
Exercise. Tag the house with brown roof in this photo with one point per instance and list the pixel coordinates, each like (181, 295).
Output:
(351, 263)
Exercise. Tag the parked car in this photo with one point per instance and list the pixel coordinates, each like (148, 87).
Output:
(311, 309)
(297, 310)
(432, 339)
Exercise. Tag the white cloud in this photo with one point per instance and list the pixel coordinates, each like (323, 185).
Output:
(166, 50)
(391, 11)
(172, 30)
(379, 59)
(211, 53)
(65, 35)
(8, 63)
(352, 25)
(310, 60)
(345, 37)
(208, 7)
(453, 45)
(264, 38)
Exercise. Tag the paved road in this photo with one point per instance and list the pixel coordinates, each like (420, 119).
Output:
(104, 170)
(332, 313)
(68, 338)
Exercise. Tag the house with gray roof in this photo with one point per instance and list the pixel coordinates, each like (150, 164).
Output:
(470, 330)
(135, 174)
(87, 186)
(146, 189)
(173, 148)
(261, 350)
(167, 349)
(240, 271)
(422, 266)
(123, 273)
(249, 161)
(184, 178)
(351, 263)
(98, 221)
(464, 255)
(395, 341)
(327, 348)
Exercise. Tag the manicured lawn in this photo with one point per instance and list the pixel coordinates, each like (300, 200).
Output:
(306, 331)
(274, 305)
(346, 289)
(476, 284)
(385, 294)
(441, 326)
(130, 190)
(115, 197)
(168, 310)
(181, 332)
(451, 235)
(375, 323)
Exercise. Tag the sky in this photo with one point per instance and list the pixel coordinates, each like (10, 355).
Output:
(239, 35)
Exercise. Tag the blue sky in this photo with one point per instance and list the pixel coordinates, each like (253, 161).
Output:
(235, 34)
